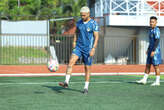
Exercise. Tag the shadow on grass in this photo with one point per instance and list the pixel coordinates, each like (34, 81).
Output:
(37, 92)
(59, 89)
(134, 83)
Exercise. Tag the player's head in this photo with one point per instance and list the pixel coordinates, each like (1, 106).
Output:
(85, 13)
(153, 21)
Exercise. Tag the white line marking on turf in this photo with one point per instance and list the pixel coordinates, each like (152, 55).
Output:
(73, 74)
(40, 83)
(102, 82)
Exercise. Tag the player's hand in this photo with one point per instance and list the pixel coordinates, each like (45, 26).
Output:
(92, 52)
(74, 45)
(152, 53)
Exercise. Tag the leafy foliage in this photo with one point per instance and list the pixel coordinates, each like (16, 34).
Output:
(39, 9)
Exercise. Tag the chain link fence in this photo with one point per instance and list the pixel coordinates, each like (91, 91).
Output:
(24, 42)
(33, 48)
(62, 31)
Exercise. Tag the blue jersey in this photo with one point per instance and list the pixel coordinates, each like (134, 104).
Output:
(85, 34)
(153, 35)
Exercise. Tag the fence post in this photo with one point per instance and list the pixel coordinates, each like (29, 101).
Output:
(0, 23)
(104, 25)
(48, 39)
(0, 37)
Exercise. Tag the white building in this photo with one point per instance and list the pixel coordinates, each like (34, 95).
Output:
(126, 23)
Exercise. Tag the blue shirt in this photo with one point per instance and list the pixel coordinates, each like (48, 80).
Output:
(85, 34)
(153, 35)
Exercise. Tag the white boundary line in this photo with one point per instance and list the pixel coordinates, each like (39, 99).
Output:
(73, 74)
(98, 82)
(40, 83)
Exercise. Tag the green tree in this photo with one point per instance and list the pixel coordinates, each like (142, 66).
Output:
(40, 9)
(26, 9)
(72, 7)
(4, 8)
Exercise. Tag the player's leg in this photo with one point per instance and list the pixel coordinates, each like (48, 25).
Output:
(87, 77)
(157, 71)
(88, 62)
(72, 61)
(145, 77)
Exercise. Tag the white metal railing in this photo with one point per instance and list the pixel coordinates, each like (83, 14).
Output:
(131, 12)
(136, 7)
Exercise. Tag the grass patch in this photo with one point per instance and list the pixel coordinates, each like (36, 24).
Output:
(43, 93)
(150, 76)
(11, 55)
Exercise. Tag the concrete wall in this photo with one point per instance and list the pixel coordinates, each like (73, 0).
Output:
(24, 33)
(24, 27)
(143, 42)
(131, 42)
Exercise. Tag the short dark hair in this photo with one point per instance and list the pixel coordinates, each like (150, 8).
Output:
(153, 17)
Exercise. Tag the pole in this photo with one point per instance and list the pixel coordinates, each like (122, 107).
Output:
(0, 39)
(18, 3)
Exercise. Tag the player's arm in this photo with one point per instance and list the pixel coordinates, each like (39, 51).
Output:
(148, 49)
(96, 35)
(74, 39)
(157, 41)
(156, 44)
(96, 38)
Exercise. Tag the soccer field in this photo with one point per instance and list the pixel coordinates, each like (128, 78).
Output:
(105, 93)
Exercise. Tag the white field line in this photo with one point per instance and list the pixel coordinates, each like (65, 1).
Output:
(98, 82)
(73, 74)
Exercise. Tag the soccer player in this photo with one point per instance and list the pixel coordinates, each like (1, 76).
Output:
(153, 53)
(84, 44)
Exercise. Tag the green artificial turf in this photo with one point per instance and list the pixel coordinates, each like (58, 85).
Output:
(105, 93)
